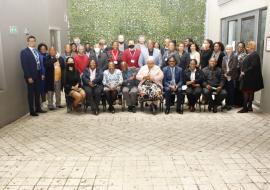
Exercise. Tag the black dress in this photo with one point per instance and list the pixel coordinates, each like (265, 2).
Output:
(205, 56)
(72, 78)
(252, 80)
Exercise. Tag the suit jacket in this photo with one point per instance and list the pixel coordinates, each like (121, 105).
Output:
(220, 59)
(145, 54)
(251, 66)
(165, 57)
(86, 77)
(233, 61)
(183, 61)
(179, 78)
(29, 64)
(213, 77)
(49, 74)
(199, 76)
(101, 59)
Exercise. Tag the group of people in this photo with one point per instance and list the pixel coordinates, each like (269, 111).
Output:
(143, 71)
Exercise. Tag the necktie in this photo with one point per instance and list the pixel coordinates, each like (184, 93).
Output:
(173, 76)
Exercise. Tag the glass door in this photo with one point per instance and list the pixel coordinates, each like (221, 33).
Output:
(246, 27)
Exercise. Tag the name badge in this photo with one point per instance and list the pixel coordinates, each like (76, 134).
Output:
(132, 61)
(115, 62)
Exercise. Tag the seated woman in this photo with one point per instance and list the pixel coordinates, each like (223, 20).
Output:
(173, 81)
(72, 83)
(112, 81)
(194, 78)
(92, 84)
(130, 86)
(150, 87)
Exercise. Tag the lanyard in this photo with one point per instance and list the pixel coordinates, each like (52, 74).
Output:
(115, 56)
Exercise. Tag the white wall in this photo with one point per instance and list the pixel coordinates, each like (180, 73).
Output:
(37, 16)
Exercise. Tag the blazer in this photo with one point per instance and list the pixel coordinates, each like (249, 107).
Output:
(49, 74)
(101, 59)
(145, 54)
(179, 78)
(183, 61)
(220, 59)
(29, 64)
(213, 77)
(199, 76)
(86, 77)
(233, 62)
(251, 66)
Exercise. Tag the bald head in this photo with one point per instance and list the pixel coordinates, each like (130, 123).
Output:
(52, 51)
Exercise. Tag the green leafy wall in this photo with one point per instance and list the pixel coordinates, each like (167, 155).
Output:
(156, 19)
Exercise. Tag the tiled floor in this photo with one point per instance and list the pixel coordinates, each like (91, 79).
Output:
(125, 151)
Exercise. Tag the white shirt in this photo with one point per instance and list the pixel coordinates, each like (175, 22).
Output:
(192, 76)
(92, 74)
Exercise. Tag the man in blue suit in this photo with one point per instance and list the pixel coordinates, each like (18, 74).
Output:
(150, 51)
(34, 72)
(173, 81)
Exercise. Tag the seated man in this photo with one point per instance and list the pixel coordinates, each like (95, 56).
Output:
(112, 81)
(173, 81)
(92, 84)
(130, 86)
(194, 78)
(214, 82)
(150, 87)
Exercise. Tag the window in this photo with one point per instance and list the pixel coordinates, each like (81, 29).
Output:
(232, 32)
(248, 29)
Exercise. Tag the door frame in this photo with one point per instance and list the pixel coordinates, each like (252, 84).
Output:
(58, 33)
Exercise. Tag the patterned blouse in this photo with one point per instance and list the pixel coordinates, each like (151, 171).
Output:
(112, 79)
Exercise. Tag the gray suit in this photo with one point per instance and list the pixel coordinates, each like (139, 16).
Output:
(145, 54)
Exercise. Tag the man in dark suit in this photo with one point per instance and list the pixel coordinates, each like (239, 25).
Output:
(100, 56)
(214, 81)
(173, 81)
(34, 72)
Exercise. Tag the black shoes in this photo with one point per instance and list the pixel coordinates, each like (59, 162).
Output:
(227, 107)
(132, 109)
(244, 110)
(34, 114)
(167, 111)
(41, 111)
(60, 106)
(215, 109)
(111, 109)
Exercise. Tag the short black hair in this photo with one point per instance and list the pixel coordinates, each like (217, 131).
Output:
(243, 43)
(42, 45)
(31, 37)
(195, 60)
(170, 57)
(69, 58)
